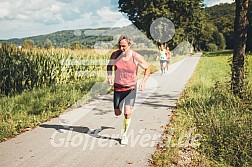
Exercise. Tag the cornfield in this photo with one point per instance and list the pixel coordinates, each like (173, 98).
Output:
(22, 70)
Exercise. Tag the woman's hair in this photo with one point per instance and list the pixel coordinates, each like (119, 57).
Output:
(124, 37)
(162, 47)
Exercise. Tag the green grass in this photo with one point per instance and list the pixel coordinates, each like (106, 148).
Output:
(29, 109)
(222, 120)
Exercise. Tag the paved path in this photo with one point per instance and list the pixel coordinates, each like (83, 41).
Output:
(88, 136)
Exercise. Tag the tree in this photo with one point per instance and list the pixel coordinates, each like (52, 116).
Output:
(48, 44)
(219, 40)
(185, 14)
(40, 45)
(210, 38)
(75, 45)
(143, 12)
(222, 16)
(240, 31)
(190, 16)
(28, 44)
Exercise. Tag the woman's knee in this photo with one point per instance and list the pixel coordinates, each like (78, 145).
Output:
(128, 111)
(127, 116)
(117, 112)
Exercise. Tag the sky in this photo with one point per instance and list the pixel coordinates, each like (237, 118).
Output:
(216, 2)
(24, 18)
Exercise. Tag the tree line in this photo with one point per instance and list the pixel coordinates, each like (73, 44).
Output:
(206, 28)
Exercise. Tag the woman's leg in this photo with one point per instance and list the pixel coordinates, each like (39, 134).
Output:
(117, 101)
(164, 66)
(126, 124)
(129, 103)
(167, 64)
(161, 66)
(127, 113)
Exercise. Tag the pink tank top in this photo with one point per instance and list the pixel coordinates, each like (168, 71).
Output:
(125, 74)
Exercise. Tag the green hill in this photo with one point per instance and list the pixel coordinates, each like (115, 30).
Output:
(222, 16)
(85, 37)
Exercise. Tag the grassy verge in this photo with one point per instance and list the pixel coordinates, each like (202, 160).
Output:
(210, 126)
(27, 110)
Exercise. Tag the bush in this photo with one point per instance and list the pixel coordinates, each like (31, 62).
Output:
(211, 47)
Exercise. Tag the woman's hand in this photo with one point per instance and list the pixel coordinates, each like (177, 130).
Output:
(110, 80)
(141, 86)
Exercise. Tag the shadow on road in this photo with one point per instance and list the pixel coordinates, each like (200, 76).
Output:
(81, 129)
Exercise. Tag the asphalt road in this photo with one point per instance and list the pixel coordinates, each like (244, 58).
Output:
(89, 135)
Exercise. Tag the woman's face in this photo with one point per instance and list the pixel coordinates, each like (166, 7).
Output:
(124, 45)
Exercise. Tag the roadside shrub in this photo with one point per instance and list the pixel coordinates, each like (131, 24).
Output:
(211, 47)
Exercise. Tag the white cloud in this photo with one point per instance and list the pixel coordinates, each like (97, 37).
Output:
(4, 9)
(22, 18)
(216, 2)
(123, 21)
(55, 7)
(108, 18)
(106, 13)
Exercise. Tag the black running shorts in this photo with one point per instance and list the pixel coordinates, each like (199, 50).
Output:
(128, 97)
